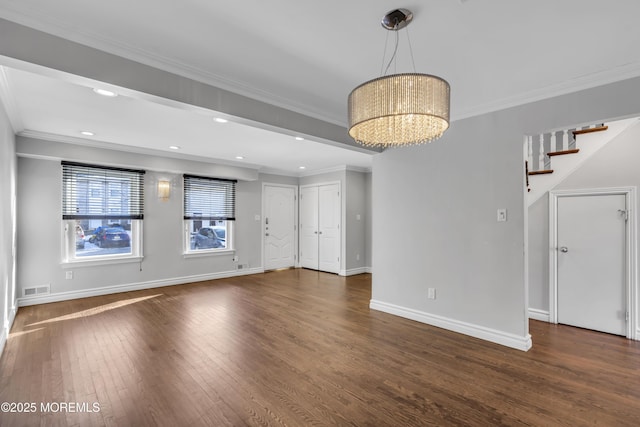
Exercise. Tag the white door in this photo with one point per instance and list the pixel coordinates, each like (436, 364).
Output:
(309, 227)
(279, 227)
(320, 237)
(591, 244)
(329, 213)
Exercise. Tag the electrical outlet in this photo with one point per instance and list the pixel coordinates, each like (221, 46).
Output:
(431, 293)
(357, 257)
(235, 258)
(502, 215)
(69, 275)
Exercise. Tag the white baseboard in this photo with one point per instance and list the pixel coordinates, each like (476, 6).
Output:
(354, 271)
(537, 314)
(4, 334)
(499, 337)
(84, 293)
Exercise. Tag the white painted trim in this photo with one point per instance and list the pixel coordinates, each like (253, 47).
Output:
(4, 334)
(612, 75)
(499, 337)
(369, 270)
(30, 17)
(104, 145)
(541, 315)
(341, 168)
(343, 220)
(8, 99)
(84, 293)
(631, 250)
(3, 339)
(525, 233)
(354, 271)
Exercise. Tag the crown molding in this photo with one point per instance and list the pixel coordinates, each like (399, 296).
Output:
(45, 24)
(128, 149)
(624, 72)
(9, 101)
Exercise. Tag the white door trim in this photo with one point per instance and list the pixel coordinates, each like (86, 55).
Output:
(295, 220)
(631, 262)
(343, 235)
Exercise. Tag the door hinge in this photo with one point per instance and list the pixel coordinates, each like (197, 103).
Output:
(624, 213)
(626, 316)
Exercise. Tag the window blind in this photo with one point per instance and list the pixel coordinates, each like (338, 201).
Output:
(101, 192)
(209, 198)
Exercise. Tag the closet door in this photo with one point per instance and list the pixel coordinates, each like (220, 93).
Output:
(329, 214)
(309, 227)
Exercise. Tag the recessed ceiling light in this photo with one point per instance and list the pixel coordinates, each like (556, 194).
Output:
(299, 138)
(174, 147)
(220, 120)
(240, 157)
(302, 167)
(87, 133)
(105, 92)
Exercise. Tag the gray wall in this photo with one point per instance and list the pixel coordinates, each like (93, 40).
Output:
(443, 199)
(356, 214)
(7, 226)
(368, 222)
(39, 231)
(615, 165)
(40, 234)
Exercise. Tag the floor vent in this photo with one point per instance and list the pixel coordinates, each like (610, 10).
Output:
(38, 290)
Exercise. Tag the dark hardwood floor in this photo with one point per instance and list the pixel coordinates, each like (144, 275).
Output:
(298, 348)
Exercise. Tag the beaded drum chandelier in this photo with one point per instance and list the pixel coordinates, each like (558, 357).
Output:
(399, 109)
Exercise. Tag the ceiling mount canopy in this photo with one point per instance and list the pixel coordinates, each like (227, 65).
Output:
(399, 109)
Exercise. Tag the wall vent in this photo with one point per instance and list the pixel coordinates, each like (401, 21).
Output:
(38, 290)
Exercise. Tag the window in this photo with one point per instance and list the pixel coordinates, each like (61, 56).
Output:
(102, 212)
(209, 212)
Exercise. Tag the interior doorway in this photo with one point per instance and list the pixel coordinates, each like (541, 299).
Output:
(592, 260)
(279, 226)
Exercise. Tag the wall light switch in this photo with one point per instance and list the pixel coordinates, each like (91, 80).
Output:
(431, 293)
(502, 215)
(69, 275)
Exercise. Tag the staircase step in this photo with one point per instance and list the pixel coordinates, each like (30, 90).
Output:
(582, 131)
(562, 153)
(542, 172)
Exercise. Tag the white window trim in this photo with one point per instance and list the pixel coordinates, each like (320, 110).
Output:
(69, 243)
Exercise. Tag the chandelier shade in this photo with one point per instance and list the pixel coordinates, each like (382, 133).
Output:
(399, 109)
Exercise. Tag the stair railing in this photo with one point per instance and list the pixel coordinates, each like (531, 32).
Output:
(554, 141)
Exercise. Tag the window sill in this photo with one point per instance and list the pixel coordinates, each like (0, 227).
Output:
(205, 253)
(102, 261)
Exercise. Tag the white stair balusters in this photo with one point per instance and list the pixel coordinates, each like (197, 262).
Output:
(530, 152)
(541, 153)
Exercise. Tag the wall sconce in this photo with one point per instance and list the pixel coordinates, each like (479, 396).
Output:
(164, 190)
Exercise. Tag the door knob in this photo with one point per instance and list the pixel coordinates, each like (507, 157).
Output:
(564, 249)
(266, 234)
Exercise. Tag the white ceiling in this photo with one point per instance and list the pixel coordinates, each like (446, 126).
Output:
(307, 56)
